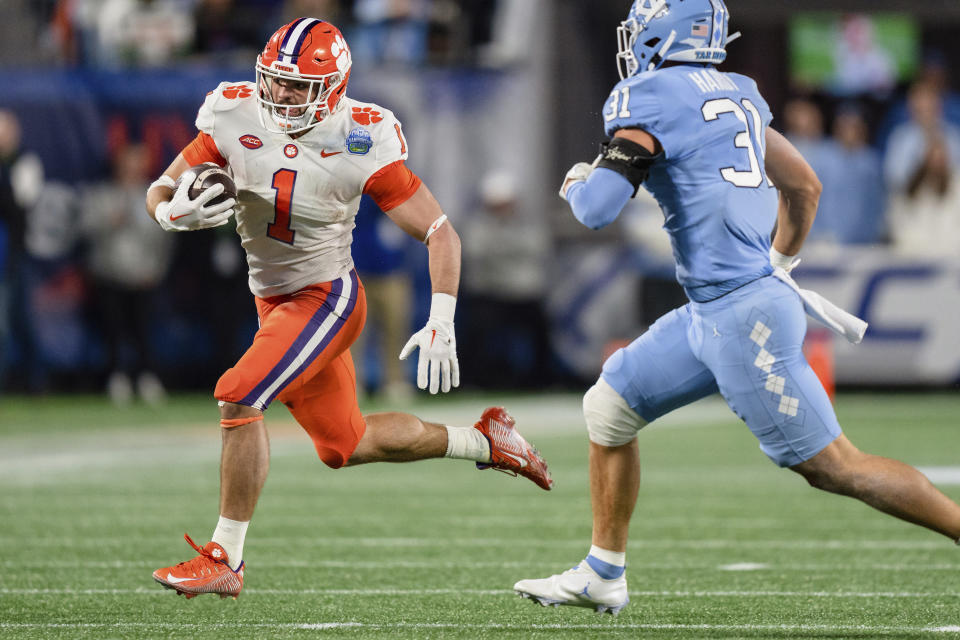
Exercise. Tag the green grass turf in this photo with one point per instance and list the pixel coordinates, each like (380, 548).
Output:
(93, 498)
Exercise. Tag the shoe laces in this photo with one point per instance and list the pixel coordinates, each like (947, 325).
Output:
(200, 565)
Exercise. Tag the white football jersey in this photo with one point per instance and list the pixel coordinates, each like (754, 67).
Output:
(297, 198)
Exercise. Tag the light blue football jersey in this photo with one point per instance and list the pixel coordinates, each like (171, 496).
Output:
(718, 204)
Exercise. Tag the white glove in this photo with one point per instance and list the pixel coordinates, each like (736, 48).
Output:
(438, 347)
(787, 263)
(577, 173)
(181, 213)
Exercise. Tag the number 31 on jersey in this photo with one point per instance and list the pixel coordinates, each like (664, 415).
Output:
(754, 176)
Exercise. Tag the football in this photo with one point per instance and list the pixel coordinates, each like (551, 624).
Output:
(203, 176)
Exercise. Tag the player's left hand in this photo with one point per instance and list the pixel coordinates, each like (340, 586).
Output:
(438, 355)
(577, 173)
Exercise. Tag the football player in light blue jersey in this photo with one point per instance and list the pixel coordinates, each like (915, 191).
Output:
(700, 141)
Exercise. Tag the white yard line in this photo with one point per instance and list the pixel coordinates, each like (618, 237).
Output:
(453, 564)
(727, 593)
(611, 627)
(399, 542)
(45, 459)
(942, 475)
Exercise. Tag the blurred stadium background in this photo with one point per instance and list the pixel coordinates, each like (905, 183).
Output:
(112, 333)
(498, 98)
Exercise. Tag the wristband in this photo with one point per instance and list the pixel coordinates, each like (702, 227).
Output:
(163, 181)
(442, 306)
(433, 227)
(778, 259)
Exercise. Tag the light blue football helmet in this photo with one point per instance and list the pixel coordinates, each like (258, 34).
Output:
(684, 30)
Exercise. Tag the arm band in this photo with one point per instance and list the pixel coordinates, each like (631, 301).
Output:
(163, 181)
(433, 227)
(627, 158)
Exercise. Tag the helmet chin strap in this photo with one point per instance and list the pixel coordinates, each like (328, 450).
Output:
(662, 51)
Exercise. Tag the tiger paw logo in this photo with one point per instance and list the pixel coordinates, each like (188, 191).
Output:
(366, 115)
(341, 53)
(216, 553)
(237, 91)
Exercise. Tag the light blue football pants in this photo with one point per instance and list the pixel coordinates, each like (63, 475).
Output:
(746, 344)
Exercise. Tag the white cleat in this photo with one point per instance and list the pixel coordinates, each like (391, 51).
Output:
(577, 587)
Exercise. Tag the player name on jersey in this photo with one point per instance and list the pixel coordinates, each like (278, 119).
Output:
(710, 80)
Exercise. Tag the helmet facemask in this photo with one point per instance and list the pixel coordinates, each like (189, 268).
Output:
(627, 62)
(277, 117)
(630, 30)
(655, 32)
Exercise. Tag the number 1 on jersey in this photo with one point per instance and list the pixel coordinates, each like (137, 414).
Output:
(279, 229)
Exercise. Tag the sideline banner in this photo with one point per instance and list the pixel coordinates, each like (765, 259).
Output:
(912, 306)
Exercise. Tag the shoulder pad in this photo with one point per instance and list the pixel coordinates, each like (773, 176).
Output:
(369, 115)
(634, 102)
(226, 97)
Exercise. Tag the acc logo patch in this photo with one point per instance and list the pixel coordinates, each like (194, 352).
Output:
(359, 141)
(251, 141)
(291, 151)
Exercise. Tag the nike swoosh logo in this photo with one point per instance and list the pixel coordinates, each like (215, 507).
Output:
(324, 154)
(519, 460)
(174, 580)
(183, 215)
(433, 336)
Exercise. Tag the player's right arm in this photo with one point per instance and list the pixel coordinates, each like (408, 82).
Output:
(597, 193)
(799, 194)
(161, 190)
(172, 207)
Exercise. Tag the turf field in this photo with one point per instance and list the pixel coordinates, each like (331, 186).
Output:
(724, 545)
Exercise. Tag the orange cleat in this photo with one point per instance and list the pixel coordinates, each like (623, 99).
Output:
(209, 572)
(509, 452)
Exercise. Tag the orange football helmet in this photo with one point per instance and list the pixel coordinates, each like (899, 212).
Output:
(307, 51)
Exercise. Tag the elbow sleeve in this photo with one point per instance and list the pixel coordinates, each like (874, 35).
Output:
(598, 201)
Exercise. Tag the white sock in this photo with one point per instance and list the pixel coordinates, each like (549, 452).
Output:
(466, 443)
(617, 558)
(229, 534)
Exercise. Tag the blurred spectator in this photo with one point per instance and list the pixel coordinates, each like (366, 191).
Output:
(925, 217)
(329, 10)
(231, 30)
(138, 32)
(19, 25)
(803, 126)
(852, 203)
(226, 292)
(54, 294)
(127, 258)
(390, 31)
(510, 28)
(506, 329)
(21, 179)
(934, 72)
(380, 255)
(908, 148)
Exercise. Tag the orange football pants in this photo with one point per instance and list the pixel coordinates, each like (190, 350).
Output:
(301, 357)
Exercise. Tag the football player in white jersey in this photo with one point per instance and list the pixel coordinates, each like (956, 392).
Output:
(302, 154)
